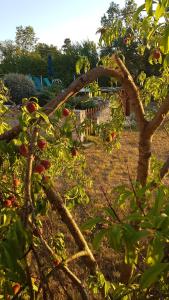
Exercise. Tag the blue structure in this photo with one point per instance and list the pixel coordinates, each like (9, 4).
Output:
(50, 66)
(46, 82)
(40, 82)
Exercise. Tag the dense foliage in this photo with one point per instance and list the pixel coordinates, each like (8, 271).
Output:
(20, 86)
(26, 56)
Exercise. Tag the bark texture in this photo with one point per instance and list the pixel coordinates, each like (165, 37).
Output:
(67, 218)
(143, 167)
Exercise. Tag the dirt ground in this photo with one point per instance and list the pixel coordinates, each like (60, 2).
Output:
(108, 171)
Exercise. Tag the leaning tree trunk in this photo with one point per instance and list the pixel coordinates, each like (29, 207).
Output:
(143, 167)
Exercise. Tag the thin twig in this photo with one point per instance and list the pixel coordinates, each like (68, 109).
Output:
(44, 281)
(134, 192)
(28, 176)
(109, 204)
(76, 256)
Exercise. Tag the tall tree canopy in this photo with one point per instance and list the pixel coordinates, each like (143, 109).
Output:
(25, 38)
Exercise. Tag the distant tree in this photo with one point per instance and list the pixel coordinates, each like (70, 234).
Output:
(89, 49)
(44, 50)
(7, 49)
(25, 38)
(66, 48)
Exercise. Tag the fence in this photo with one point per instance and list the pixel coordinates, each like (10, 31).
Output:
(94, 115)
(100, 114)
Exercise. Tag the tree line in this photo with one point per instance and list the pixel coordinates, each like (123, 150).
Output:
(27, 56)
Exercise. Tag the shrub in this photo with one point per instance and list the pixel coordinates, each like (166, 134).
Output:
(20, 86)
(56, 87)
(82, 102)
(45, 96)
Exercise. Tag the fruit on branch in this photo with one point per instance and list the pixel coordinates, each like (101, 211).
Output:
(156, 54)
(8, 203)
(46, 179)
(12, 198)
(42, 144)
(113, 135)
(56, 262)
(46, 164)
(23, 149)
(39, 169)
(31, 107)
(16, 182)
(66, 112)
(126, 41)
(74, 152)
(16, 288)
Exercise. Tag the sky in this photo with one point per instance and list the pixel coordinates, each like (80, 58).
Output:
(54, 20)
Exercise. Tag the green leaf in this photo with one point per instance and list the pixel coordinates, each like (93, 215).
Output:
(98, 237)
(44, 116)
(148, 6)
(82, 63)
(155, 252)
(166, 61)
(159, 200)
(114, 235)
(140, 8)
(159, 11)
(131, 235)
(165, 41)
(91, 223)
(110, 212)
(152, 274)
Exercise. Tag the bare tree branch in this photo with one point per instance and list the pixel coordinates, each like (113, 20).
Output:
(133, 93)
(73, 89)
(159, 117)
(28, 175)
(79, 83)
(76, 281)
(67, 218)
(76, 256)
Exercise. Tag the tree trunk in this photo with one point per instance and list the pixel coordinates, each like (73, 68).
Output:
(145, 142)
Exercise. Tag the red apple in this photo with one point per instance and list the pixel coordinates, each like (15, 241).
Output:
(8, 203)
(74, 151)
(31, 107)
(66, 112)
(113, 135)
(12, 198)
(156, 54)
(39, 169)
(56, 262)
(16, 288)
(46, 164)
(42, 144)
(23, 149)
